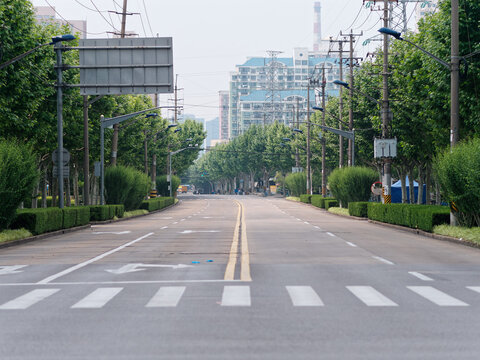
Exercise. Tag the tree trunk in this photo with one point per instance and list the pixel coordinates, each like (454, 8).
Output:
(54, 190)
(428, 183)
(420, 184)
(438, 197)
(68, 200)
(75, 186)
(35, 195)
(411, 188)
(403, 179)
(44, 188)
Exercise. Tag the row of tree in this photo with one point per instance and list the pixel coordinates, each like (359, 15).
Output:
(28, 110)
(420, 102)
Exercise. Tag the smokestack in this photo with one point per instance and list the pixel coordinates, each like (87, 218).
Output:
(317, 26)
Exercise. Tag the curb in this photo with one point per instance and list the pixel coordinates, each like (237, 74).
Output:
(73, 229)
(406, 229)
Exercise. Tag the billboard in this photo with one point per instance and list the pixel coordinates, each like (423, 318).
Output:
(126, 66)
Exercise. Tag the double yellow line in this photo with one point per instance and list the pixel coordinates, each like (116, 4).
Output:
(239, 237)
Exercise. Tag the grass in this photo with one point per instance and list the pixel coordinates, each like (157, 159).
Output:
(339, 211)
(134, 213)
(293, 198)
(11, 235)
(467, 234)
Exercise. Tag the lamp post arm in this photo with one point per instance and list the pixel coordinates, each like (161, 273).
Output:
(436, 58)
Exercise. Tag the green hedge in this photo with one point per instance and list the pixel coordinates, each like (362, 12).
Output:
(319, 200)
(331, 203)
(305, 198)
(359, 208)
(423, 217)
(156, 203)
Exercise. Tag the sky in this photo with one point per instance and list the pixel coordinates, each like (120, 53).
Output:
(211, 37)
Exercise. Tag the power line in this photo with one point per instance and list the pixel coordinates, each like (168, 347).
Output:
(148, 20)
(104, 18)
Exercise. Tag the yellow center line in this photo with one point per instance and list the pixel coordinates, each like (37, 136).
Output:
(232, 260)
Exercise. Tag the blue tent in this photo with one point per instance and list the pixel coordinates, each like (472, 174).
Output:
(397, 192)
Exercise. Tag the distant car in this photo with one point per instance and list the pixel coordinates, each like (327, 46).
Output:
(182, 189)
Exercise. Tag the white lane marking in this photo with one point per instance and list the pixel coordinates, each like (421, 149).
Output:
(137, 267)
(13, 269)
(351, 244)
(166, 218)
(98, 298)
(304, 296)
(236, 296)
(306, 222)
(474, 288)
(383, 260)
(330, 234)
(167, 296)
(436, 296)
(198, 231)
(182, 220)
(163, 228)
(370, 297)
(176, 222)
(111, 232)
(85, 263)
(129, 282)
(317, 227)
(420, 276)
(29, 299)
(298, 219)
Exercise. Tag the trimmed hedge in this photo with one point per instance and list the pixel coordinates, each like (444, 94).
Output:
(359, 208)
(319, 200)
(156, 203)
(423, 217)
(331, 203)
(306, 198)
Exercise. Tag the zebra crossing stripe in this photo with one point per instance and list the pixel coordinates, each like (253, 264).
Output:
(436, 296)
(167, 296)
(304, 296)
(97, 299)
(370, 297)
(236, 296)
(29, 299)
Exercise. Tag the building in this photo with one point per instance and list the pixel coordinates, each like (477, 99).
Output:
(213, 131)
(47, 15)
(268, 89)
(317, 26)
(425, 8)
(223, 115)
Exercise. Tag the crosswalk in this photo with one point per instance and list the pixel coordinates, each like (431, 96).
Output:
(243, 296)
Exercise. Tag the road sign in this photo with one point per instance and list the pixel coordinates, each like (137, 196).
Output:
(65, 171)
(385, 148)
(66, 156)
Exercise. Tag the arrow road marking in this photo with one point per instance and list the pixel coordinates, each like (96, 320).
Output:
(111, 232)
(137, 267)
(5, 270)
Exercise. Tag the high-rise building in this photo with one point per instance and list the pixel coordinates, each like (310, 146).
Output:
(425, 8)
(213, 130)
(223, 116)
(317, 26)
(253, 100)
(46, 14)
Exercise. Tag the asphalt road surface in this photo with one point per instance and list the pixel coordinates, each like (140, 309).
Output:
(239, 277)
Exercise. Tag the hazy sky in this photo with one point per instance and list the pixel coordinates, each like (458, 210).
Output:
(210, 37)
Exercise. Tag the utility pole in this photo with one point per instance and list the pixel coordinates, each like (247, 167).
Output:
(324, 174)
(387, 162)
(115, 126)
(340, 125)
(350, 110)
(297, 155)
(176, 100)
(454, 76)
(311, 82)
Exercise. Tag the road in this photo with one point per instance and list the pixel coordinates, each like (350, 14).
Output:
(239, 277)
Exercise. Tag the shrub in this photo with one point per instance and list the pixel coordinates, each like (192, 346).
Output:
(157, 203)
(423, 217)
(352, 184)
(458, 172)
(38, 221)
(162, 185)
(359, 208)
(99, 212)
(138, 192)
(118, 182)
(69, 217)
(296, 183)
(305, 198)
(330, 203)
(319, 200)
(18, 174)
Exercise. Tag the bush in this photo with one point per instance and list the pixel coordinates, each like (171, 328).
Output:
(75, 216)
(359, 208)
(458, 172)
(38, 221)
(118, 182)
(319, 200)
(162, 185)
(352, 184)
(423, 217)
(156, 204)
(100, 212)
(138, 192)
(296, 183)
(330, 203)
(18, 174)
(306, 198)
